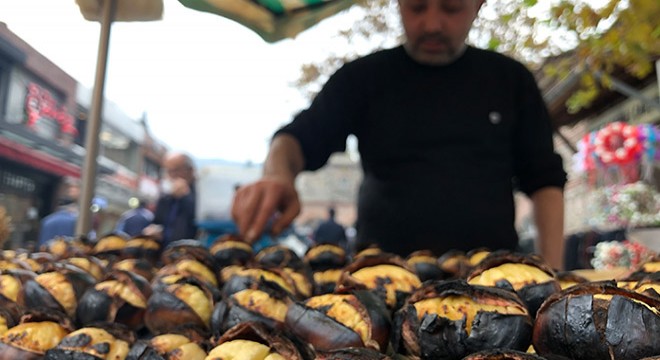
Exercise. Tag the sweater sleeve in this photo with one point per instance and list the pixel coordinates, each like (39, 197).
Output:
(537, 165)
(322, 128)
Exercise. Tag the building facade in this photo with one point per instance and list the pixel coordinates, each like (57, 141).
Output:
(43, 113)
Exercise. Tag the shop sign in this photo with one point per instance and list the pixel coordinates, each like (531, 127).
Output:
(40, 103)
(16, 183)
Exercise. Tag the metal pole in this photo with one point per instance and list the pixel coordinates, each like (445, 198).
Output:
(84, 224)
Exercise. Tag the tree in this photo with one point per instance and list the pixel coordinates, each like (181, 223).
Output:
(602, 35)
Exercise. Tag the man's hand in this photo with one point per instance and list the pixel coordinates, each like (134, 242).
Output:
(180, 188)
(256, 203)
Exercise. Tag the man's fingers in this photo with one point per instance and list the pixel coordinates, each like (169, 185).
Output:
(286, 218)
(247, 203)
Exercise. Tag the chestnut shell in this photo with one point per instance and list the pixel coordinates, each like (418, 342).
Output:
(578, 323)
(327, 334)
(436, 337)
(258, 333)
(502, 355)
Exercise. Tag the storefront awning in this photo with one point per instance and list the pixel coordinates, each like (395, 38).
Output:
(22, 154)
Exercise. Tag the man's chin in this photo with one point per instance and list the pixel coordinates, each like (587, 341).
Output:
(435, 58)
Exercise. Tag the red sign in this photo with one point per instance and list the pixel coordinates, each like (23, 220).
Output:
(39, 103)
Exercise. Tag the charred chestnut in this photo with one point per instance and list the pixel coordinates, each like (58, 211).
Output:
(531, 278)
(351, 354)
(230, 250)
(255, 342)
(59, 289)
(121, 298)
(326, 281)
(262, 303)
(37, 333)
(110, 246)
(426, 266)
(190, 267)
(93, 343)
(476, 255)
(244, 278)
(185, 301)
(188, 249)
(568, 278)
(502, 355)
(456, 263)
(142, 247)
(166, 347)
(597, 320)
(335, 321)
(385, 274)
(141, 267)
(452, 319)
(278, 256)
(325, 257)
(89, 264)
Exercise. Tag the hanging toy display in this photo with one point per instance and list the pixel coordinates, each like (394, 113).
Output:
(617, 153)
(618, 143)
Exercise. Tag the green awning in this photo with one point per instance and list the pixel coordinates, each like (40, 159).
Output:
(273, 20)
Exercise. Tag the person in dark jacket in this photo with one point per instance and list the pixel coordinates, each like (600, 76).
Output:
(174, 217)
(330, 232)
(62, 222)
(133, 221)
(447, 132)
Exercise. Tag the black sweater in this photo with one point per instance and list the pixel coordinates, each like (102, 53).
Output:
(442, 147)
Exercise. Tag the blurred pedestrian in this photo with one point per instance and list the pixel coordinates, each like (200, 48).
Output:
(331, 232)
(133, 221)
(174, 217)
(62, 222)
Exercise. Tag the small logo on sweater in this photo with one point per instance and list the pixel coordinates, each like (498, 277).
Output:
(494, 117)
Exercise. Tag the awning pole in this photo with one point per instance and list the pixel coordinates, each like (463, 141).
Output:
(84, 224)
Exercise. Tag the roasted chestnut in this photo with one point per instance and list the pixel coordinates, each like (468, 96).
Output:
(351, 354)
(110, 342)
(141, 267)
(325, 257)
(452, 319)
(184, 301)
(89, 264)
(426, 266)
(190, 267)
(278, 256)
(263, 303)
(386, 274)
(121, 298)
(109, 246)
(530, 277)
(188, 249)
(476, 255)
(597, 320)
(253, 341)
(335, 321)
(230, 250)
(142, 247)
(456, 263)
(37, 333)
(242, 278)
(326, 281)
(568, 278)
(166, 347)
(502, 355)
(7, 320)
(58, 289)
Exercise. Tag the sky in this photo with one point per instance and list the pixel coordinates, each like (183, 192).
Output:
(208, 85)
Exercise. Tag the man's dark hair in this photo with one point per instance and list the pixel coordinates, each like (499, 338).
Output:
(331, 212)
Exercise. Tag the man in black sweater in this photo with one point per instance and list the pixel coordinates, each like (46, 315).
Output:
(446, 133)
